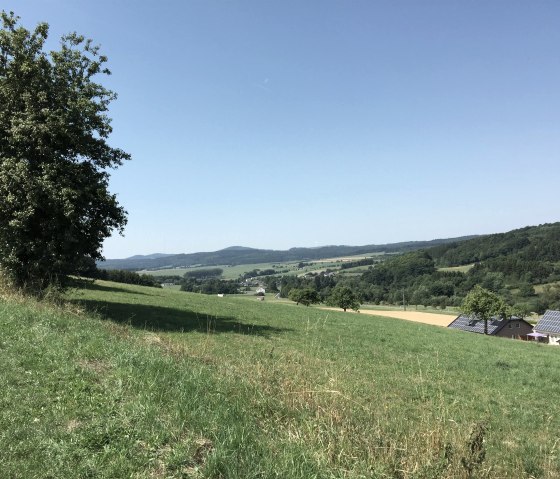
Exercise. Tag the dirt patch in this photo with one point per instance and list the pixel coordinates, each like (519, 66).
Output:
(72, 425)
(434, 319)
(95, 365)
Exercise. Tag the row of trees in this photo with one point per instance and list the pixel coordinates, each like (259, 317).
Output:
(479, 302)
(341, 296)
(124, 276)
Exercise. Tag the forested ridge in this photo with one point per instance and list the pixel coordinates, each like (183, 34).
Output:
(239, 255)
(525, 245)
(510, 264)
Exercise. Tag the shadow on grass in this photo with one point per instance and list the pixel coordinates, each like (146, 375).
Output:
(157, 318)
(94, 286)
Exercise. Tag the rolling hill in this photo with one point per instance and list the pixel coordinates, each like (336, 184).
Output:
(237, 255)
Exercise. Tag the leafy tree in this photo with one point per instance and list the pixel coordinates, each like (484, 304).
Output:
(56, 209)
(483, 305)
(125, 276)
(305, 296)
(344, 297)
(551, 295)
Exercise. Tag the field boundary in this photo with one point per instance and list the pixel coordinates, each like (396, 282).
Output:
(435, 319)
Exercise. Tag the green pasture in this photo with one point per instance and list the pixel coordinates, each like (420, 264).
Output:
(230, 272)
(127, 381)
(463, 269)
(539, 288)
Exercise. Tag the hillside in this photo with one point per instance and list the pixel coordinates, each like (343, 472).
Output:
(530, 244)
(167, 384)
(237, 255)
(512, 264)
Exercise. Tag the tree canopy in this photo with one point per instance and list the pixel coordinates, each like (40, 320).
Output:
(483, 305)
(305, 296)
(56, 209)
(344, 297)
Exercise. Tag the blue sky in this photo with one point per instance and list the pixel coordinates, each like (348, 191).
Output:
(306, 123)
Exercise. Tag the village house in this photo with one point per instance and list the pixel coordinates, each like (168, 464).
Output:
(549, 325)
(513, 327)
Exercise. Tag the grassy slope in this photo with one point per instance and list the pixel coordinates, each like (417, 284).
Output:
(184, 385)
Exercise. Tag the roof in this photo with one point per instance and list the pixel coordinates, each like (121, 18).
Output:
(475, 325)
(549, 323)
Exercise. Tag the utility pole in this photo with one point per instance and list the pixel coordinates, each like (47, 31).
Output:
(403, 303)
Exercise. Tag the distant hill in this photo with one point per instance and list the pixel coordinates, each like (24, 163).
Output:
(505, 252)
(236, 255)
(151, 256)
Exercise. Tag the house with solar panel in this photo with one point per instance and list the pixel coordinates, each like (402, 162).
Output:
(512, 327)
(549, 325)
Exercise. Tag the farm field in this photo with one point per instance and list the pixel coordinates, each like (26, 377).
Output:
(539, 288)
(435, 319)
(451, 310)
(128, 381)
(233, 272)
(230, 272)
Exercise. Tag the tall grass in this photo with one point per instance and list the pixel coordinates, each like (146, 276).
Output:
(155, 383)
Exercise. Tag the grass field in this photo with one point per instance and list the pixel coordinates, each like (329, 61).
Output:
(128, 381)
(230, 272)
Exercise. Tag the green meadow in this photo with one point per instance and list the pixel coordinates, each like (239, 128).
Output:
(125, 381)
(230, 272)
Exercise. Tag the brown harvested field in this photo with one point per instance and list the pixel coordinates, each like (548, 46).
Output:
(416, 316)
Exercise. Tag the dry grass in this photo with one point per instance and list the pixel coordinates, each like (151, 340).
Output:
(435, 319)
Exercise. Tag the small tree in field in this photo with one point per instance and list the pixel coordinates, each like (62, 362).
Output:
(55, 207)
(305, 296)
(343, 297)
(483, 305)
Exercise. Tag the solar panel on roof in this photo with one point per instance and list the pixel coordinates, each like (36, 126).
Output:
(467, 323)
(549, 323)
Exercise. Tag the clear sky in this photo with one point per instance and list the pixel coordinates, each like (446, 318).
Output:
(275, 124)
